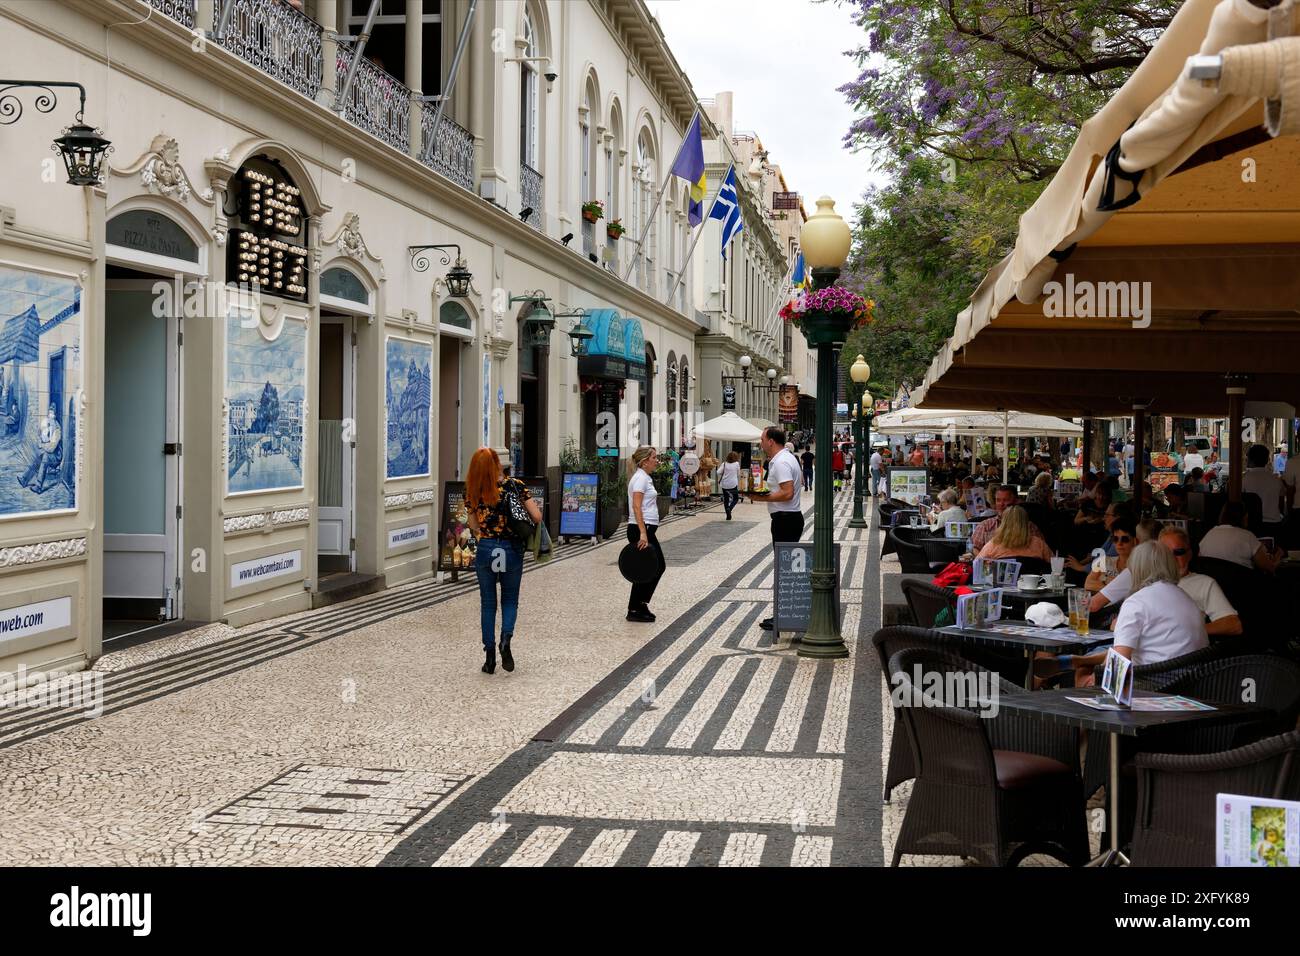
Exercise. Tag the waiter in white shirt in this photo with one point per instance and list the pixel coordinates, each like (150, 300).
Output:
(785, 479)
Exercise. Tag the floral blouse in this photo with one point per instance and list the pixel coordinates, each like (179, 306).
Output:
(493, 520)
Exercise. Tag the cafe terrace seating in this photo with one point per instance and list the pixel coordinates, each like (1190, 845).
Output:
(996, 788)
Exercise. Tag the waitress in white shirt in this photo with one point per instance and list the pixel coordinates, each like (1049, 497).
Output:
(642, 526)
(784, 481)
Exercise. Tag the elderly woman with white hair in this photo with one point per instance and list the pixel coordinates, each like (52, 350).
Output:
(1157, 622)
(951, 510)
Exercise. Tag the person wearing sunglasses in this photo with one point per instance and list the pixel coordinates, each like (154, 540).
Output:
(1201, 588)
(1111, 588)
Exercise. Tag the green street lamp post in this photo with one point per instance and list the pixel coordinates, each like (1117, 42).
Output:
(865, 416)
(824, 241)
(860, 374)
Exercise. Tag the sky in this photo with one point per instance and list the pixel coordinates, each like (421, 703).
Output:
(783, 60)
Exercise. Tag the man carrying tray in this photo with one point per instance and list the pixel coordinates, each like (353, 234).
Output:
(784, 478)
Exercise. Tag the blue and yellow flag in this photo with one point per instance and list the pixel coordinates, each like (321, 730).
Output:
(800, 273)
(689, 165)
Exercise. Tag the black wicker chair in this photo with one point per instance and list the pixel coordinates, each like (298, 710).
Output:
(888, 641)
(996, 788)
(1176, 805)
(927, 602)
(941, 552)
(911, 557)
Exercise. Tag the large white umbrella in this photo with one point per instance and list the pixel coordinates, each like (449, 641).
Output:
(945, 421)
(727, 427)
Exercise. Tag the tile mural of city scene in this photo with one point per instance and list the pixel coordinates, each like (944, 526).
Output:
(408, 400)
(265, 385)
(40, 374)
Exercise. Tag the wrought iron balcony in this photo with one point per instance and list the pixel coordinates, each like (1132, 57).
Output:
(530, 193)
(378, 102)
(182, 11)
(451, 152)
(274, 37)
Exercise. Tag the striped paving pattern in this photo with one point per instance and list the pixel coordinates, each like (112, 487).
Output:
(716, 745)
(141, 683)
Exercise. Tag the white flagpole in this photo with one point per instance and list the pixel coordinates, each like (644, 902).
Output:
(681, 276)
(645, 228)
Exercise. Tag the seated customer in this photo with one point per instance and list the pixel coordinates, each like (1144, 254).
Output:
(1108, 588)
(1157, 622)
(951, 512)
(1201, 588)
(1114, 512)
(1092, 508)
(1176, 495)
(1230, 540)
(1041, 493)
(1014, 538)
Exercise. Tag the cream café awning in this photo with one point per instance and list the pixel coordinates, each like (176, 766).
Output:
(1196, 277)
(952, 422)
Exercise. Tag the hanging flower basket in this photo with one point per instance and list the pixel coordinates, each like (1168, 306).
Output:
(593, 209)
(828, 315)
(615, 229)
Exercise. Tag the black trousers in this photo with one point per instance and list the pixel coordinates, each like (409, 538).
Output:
(787, 525)
(730, 498)
(642, 593)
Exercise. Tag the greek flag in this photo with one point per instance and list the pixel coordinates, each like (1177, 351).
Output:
(726, 207)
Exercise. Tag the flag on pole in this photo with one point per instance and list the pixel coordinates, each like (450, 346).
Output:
(726, 208)
(800, 274)
(689, 165)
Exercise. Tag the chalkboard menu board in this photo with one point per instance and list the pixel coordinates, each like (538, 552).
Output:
(792, 585)
(579, 504)
(457, 546)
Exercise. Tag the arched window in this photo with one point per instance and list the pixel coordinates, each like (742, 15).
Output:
(613, 192)
(649, 182)
(685, 374)
(648, 392)
(528, 95)
(670, 389)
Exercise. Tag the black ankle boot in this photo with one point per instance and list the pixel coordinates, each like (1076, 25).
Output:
(507, 659)
(490, 665)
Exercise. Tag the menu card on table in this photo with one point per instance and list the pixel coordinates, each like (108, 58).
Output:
(1000, 572)
(1257, 831)
(982, 607)
(1117, 677)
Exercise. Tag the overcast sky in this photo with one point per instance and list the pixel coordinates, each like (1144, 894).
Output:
(783, 60)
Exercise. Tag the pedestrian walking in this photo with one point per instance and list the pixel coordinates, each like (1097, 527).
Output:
(807, 458)
(729, 482)
(496, 504)
(783, 474)
(837, 465)
(877, 473)
(642, 528)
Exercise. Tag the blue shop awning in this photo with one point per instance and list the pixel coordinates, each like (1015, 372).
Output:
(616, 349)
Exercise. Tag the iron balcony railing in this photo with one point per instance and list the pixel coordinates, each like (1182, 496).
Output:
(378, 102)
(182, 11)
(451, 152)
(530, 193)
(275, 38)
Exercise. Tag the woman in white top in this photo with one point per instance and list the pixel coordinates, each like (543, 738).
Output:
(642, 526)
(729, 482)
(951, 510)
(1157, 622)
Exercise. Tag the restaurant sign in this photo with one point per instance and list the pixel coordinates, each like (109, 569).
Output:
(789, 408)
(785, 200)
(728, 398)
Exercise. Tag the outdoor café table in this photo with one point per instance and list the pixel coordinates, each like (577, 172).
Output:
(1029, 639)
(1022, 599)
(1055, 707)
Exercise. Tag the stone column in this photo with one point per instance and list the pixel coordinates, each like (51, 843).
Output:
(327, 14)
(414, 78)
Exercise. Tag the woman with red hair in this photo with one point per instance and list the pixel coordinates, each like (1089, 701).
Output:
(499, 557)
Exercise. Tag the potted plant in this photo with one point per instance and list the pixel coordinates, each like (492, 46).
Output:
(662, 477)
(615, 229)
(828, 314)
(613, 495)
(593, 209)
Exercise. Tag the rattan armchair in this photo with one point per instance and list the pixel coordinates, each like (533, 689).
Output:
(1177, 796)
(992, 786)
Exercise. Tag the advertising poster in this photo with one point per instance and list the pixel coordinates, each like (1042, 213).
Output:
(408, 401)
(936, 451)
(537, 491)
(1164, 470)
(789, 413)
(579, 504)
(457, 546)
(908, 484)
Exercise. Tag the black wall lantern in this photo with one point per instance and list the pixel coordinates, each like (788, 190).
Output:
(82, 147)
(538, 321)
(458, 277)
(579, 335)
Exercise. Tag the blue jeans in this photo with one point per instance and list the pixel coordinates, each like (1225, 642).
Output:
(508, 556)
(730, 497)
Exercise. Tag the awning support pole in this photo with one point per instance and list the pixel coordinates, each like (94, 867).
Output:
(1139, 454)
(1006, 446)
(1236, 411)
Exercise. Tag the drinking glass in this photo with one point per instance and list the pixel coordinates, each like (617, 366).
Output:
(1078, 602)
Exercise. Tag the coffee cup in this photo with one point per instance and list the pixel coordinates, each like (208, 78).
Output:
(1030, 582)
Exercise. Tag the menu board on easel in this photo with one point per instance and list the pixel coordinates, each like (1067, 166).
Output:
(456, 543)
(579, 500)
(908, 484)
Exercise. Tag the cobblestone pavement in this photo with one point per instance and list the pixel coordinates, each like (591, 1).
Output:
(364, 734)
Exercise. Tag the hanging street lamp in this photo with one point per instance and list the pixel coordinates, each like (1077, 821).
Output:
(579, 335)
(82, 147)
(538, 321)
(458, 278)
